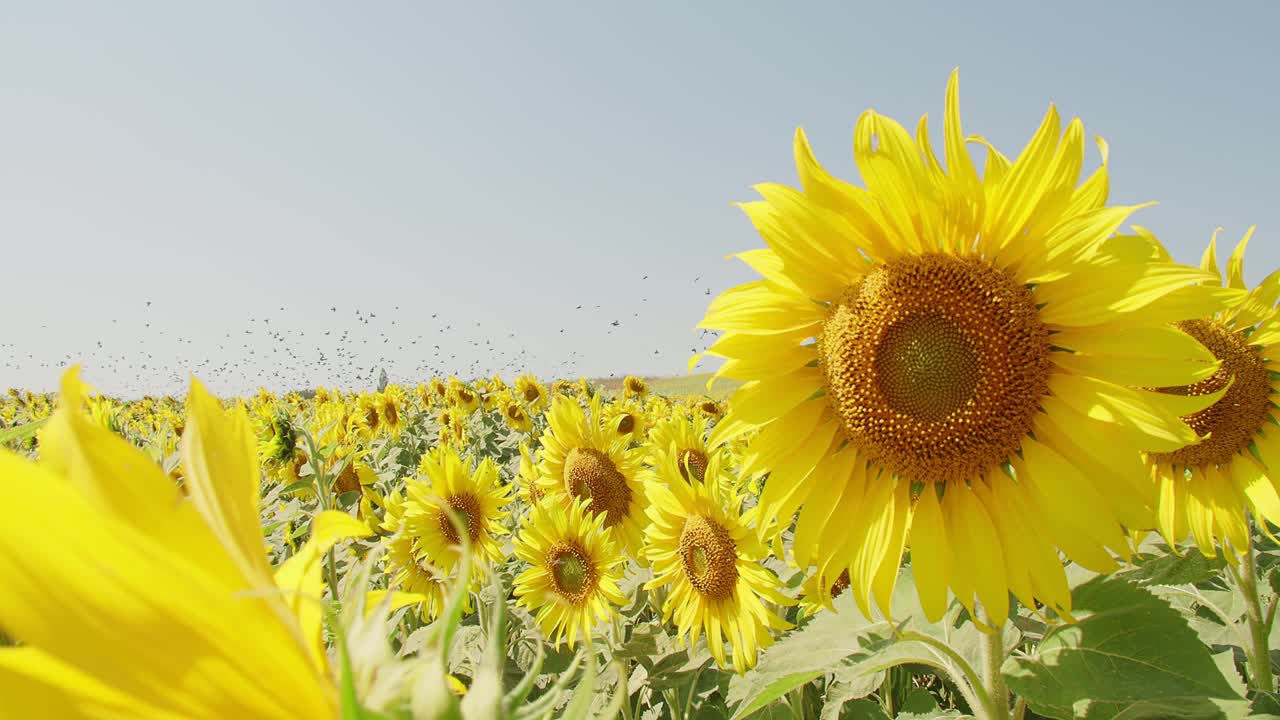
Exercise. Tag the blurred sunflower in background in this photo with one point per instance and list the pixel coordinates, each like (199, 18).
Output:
(627, 420)
(817, 592)
(514, 414)
(584, 458)
(634, 387)
(916, 345)
(1206, 488)
(700, 544)
(575, 567)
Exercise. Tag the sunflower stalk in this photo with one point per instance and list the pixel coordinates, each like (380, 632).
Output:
(1259, 653)
(992, 661)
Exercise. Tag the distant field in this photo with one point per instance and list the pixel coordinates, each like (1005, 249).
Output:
(677, 385)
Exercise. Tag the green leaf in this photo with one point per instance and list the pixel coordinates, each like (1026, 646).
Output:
(1165, 568)
(1129, 655)
(21, 432)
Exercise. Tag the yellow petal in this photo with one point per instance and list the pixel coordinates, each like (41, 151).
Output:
(930, 556)
(219, 454)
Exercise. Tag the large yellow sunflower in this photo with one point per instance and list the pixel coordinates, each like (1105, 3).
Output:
(146, 601)
(1206, 487)
(576, 567)
(957, 358)
(699, 543)
(584, 458)
(475, 496)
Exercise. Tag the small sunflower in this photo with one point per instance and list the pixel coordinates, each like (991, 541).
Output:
(628, 420)
(439, 389)
(634, 387)
(699, 543)
(529, 490)
(684, 440)
(514, 414)
(531, 392)
(916, 345)
(390, 404)
(464, 399)
(367, 418)
(1207, 487)
(576, 567)
(474, 495)
(583, 458)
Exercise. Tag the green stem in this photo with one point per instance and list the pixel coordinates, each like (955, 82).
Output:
(968, 682)
(1259, 653)
(992, 661)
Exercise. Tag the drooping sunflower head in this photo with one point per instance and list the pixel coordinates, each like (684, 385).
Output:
(583, 457)
(916, 345)
(575, 566)
(634, 387)
(1205, 487)
(700, 544)
(474, 496)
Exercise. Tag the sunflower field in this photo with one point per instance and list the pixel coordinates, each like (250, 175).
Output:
(984, 449)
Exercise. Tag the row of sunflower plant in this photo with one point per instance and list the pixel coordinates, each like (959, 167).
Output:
(988, 455)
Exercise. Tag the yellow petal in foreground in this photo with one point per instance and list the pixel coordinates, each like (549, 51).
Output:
(122, 618)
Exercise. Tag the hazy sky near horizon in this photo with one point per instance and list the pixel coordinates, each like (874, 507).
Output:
(467, 174)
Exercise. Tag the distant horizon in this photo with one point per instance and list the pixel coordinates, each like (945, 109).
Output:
(293, 197)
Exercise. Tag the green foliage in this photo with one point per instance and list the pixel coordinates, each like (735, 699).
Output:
(1129, 655)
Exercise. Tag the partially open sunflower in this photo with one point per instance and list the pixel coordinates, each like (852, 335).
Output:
(956, 359)
(1207, 487)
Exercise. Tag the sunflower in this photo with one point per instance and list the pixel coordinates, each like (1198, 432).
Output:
(439, 388)
(627, 420)
(515, 415)
(699, 543)
(462, 398)
(529, 490)
(390, 404)
(531, 392)
(683, 439)
(576, 567)
(916, 346)
(138, 565)
(634, 387)
(583, 458)
(473, 494)
(1207, 487)
(407, 562)
(367, 418)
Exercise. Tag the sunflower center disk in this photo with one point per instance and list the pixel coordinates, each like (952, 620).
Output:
(709, 557)
(936, 364)
(1231, 422)
(590, 474)
(467, 510)
(573, 572)
(693, 465)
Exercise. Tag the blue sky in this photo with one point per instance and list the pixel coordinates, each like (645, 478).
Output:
(497, 166)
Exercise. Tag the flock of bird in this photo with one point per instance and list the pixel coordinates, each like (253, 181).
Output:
(283, 350)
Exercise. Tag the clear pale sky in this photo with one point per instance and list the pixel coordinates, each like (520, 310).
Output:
(498, 166)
